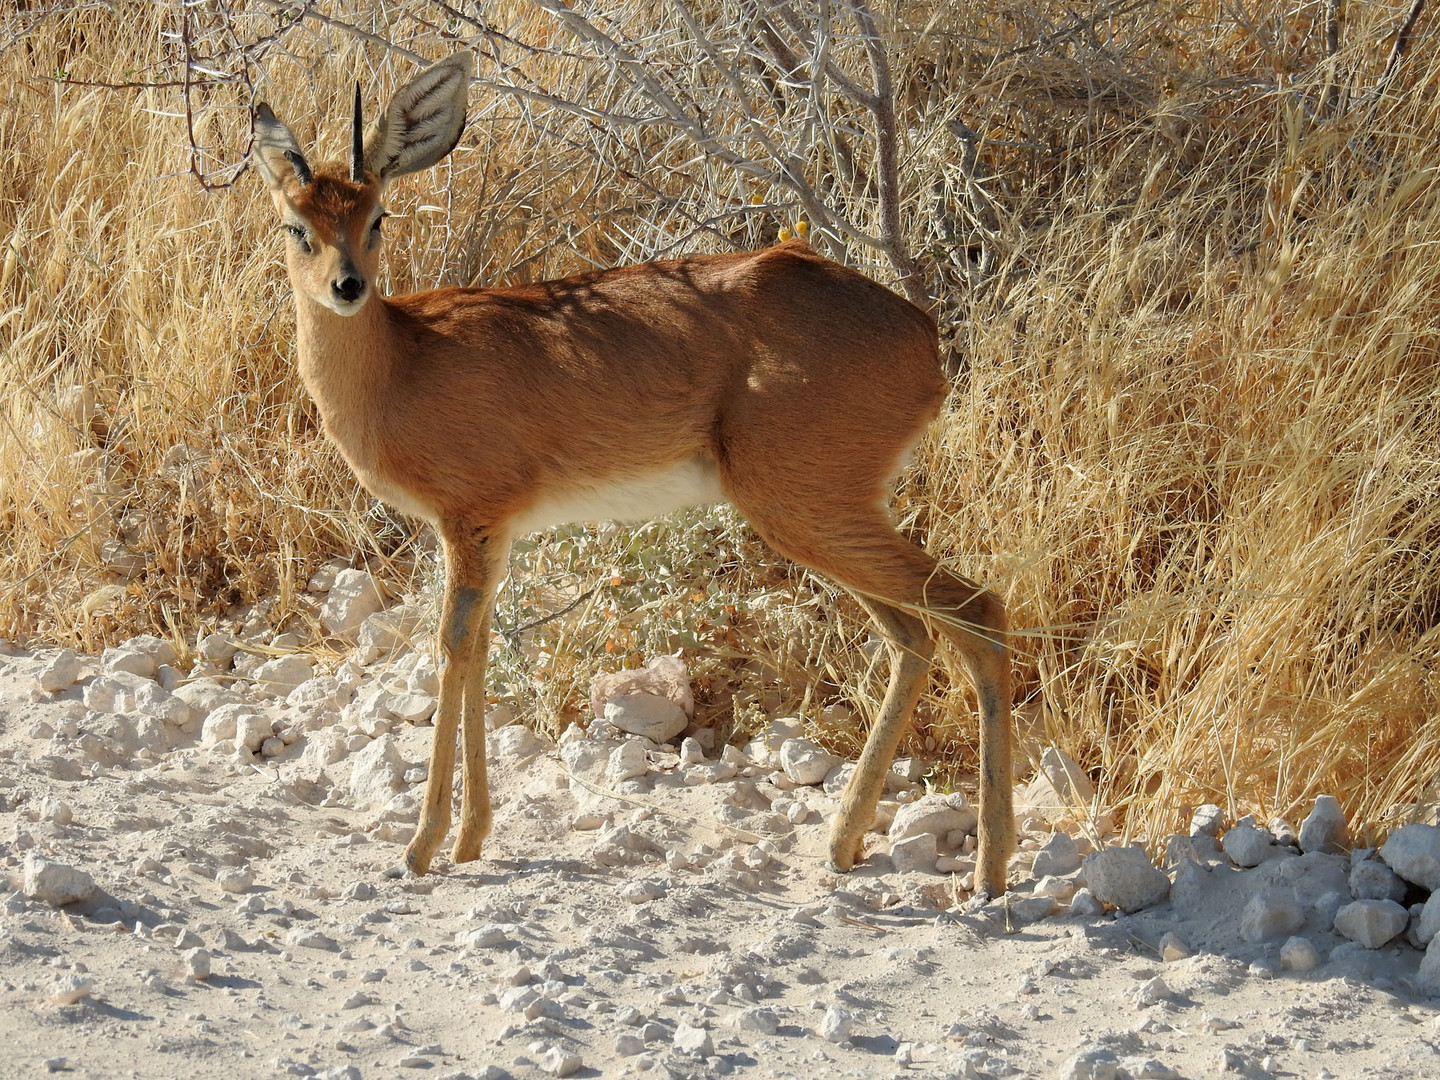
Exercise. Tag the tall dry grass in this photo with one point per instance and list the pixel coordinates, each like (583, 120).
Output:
(1193, 444)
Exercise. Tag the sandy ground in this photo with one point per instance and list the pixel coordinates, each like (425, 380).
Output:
(674, 930)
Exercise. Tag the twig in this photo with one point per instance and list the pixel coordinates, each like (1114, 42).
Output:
(1400, 48)
(512, 634)
(1334, 16)
(887, 167)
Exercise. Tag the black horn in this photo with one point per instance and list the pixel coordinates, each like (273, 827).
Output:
(357, 142)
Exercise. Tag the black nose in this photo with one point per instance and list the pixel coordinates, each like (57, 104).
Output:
(348, 288)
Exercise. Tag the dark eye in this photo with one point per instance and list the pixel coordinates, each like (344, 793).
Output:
(375, 229)
(299, 234)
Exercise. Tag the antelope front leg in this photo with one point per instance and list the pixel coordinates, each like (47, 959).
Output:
(459, 617)
(490, 551)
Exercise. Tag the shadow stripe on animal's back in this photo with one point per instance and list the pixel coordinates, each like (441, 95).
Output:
(786, 383)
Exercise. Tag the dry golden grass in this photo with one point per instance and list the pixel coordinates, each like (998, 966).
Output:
(1194, 445)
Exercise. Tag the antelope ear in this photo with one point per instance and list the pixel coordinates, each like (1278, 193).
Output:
(276, 152)
(423, 122)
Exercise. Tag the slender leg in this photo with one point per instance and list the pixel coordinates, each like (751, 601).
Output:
(857, 547)
(989, 664)
(490, 552)
(466, 598)
(910, 651)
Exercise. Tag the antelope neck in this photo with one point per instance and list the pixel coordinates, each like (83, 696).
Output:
(346, 364)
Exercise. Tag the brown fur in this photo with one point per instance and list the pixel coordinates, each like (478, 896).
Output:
(800, 382)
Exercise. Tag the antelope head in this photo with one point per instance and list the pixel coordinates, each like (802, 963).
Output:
(331, 213)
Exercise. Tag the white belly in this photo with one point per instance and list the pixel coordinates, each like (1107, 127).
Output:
(636, 498)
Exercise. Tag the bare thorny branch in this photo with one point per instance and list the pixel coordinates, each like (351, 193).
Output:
(722, 125)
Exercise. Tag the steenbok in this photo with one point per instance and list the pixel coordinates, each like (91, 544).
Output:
(782, 382)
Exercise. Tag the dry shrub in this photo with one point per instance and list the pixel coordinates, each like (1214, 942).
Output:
(1184, 255)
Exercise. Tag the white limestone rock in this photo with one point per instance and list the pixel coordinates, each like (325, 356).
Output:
(939, 815)
(116, 691)
(1174, 948)
(1031, 909)
(555, 1061)
(1283, 832)
(1091, 1063)
(806, 763)
(1427, 979)
(584, 757)
(1056, 858)
(157, 649)
(1413, 852)
(152, 700)
(376, 773)
(664, 676)
(423, 676)
(1060, 792)
(354, 596)
(68, 990)
(235, 879)
(1371, 923)
(54, 810)
(1249, 844)
(1325, 829)
(54, 883)
(323, 579)
(197, 963)
(120, 658)
(1429, 923)
(762, 1020)
(1371, 879)
(837, 1024)
(60, 672)
(416, 708)
(1207, 820)
(322, 692)
(764, 749)
(1271, 913)
(204, 695)
(252, 729)
(627, 761)
(218, 649)
(1124, 877)
(515, 741)
(283, 674)
(386, 633)
(1299, 954)
(694, 1041)
(838, 779)
(691, 752)
(222, 723)
(915, 854)
(656, 718)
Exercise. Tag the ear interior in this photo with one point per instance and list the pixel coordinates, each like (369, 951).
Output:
(277, 153)
(423, 122)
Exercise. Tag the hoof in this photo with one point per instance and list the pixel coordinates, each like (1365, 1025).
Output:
(415, 862)
(465, 852)
(843, 857)
(841, 861)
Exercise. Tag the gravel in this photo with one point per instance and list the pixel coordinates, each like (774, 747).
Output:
(203, 908)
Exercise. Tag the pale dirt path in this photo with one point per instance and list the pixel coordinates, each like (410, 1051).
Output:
(391, 992)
